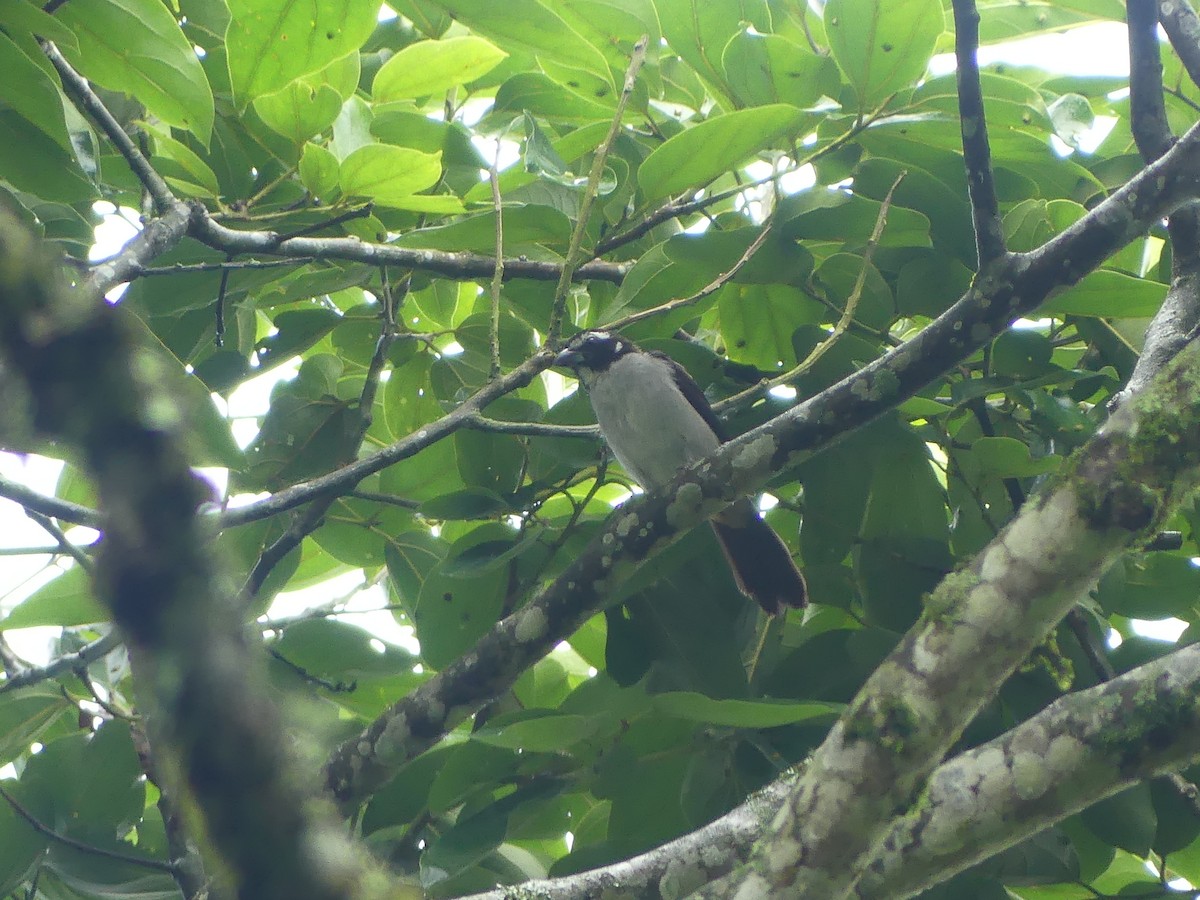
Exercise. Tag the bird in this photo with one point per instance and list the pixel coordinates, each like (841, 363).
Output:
(656, 420)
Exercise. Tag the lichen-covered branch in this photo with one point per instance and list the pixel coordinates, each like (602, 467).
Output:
(156, 238)
(978, 626)
(95, 390)
(646, 526)
(1081, 749)
(1179, 314)
(1077, 751)
(1182, 25)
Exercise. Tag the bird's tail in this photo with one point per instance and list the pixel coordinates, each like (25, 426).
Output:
(761, 564)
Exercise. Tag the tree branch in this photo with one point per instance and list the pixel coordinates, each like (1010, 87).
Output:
(977, 152)
(1179, 314)
(81, 658)
(81, 92)
(978, 626)
(63, 510)
(306, 522)
(460, 265)
(645, 526)
(157, 574)
(46, 831)
(156, 237)
(1182, 25)
(1079, 750)
(1074, 753)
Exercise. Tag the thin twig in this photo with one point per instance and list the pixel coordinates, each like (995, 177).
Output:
(498, 275)
(183, 268)
(360, 212)
(707, 291)
(81, 92)
(574, 256)
(530, 429)
(674, 209)
(157, 865)
(843, 322)
(65, 546)
(310, 519)
(390, 499)
(72, 662)
(63, 510)
(977, 152)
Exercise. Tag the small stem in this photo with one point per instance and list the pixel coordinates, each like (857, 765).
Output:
(574, 256)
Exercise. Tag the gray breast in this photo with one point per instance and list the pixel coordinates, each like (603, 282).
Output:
(648, 423)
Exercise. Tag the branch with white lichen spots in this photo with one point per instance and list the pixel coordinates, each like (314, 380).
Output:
(1079, 750)
(978, 626)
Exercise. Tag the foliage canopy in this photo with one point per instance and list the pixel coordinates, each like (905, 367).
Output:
(402, 212)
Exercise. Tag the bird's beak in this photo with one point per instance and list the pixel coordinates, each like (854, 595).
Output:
(568, 359)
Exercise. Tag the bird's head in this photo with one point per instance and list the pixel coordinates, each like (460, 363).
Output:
(591, 352)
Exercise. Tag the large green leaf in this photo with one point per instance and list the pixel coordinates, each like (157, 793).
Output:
(528, 24)
(701, 153)
(67, 600)
(31, 160)
(430, 67)
(767, 68)
(28, 90)
(1108, 294)
(270, 44)
(136, 47)
(390, 175)
(741, 713)
(882, 46)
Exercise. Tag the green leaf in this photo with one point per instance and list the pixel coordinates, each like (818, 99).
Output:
(1073, 118)
(30, 160)
(528, 24)
(271, 44)
(698, 30)
(544, 734)
(882, 46)
(411, 556)
(67, 600)
(536, 93)
(182, 167)
(319, 171)
(741, 713)
(1108, 294)
(701, 153)
(1006, 457)
(27, 714)
(136, 47)
(300, 110)
(20, 848)
(389, 175)
(1150, 586)
(767, 68)
(25, 17)
(28, 90)
(757, 322)
(431, 67)
(309, 105)
(452, 613)
(1125, 820)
